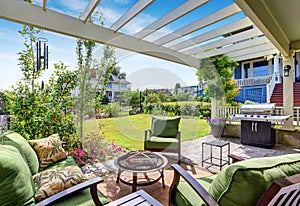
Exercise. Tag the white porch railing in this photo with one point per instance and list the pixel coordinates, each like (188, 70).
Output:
(270, 87)
(254, 81)
(225, 111)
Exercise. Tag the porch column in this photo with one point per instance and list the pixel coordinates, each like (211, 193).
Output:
(214, 105)
(297, 65)
(288, 93)
(276, 68)
(242, 71)
(251, 70)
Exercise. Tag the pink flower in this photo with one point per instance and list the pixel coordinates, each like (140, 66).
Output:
(112, 146)
(119, 148)
(100, 151)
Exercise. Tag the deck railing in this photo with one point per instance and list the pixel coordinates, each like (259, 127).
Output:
(254, 81)
(225, 111)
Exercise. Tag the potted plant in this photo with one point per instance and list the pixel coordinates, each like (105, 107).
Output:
(216, 126)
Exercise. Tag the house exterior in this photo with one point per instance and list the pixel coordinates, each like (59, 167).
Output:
(258, 77)
(114, 87)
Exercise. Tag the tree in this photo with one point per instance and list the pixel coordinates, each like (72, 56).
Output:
(218, 72)
(176, 88)
(116, 71)
(38, 111)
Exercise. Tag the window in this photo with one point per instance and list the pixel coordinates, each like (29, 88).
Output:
(260, 69)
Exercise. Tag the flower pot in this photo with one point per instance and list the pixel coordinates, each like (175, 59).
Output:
(216, 130)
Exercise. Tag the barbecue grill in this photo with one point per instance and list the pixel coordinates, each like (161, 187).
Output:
(256, 124)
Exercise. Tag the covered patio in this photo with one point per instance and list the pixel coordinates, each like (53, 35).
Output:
(241, 30)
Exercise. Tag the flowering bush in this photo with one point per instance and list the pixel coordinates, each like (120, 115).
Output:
(216, 121)
(80, 156)
(98, 149)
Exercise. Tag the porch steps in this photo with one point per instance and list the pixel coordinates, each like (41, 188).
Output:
(277, 96)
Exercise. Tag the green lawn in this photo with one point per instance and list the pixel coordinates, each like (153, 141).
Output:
(128, 131)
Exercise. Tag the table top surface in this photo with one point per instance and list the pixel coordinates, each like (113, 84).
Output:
(141, 161)
(219, 143)
(140, 198)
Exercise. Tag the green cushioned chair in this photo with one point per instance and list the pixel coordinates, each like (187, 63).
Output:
(18, 163)
(257, 181)
(164, 136)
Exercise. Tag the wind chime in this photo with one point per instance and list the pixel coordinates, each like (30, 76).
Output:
(41, 55)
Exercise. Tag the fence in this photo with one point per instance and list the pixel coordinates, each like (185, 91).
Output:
(225, 111)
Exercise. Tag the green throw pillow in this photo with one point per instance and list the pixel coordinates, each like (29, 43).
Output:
(15, 139)
(16, 184)
(165, 127)
(243, 183)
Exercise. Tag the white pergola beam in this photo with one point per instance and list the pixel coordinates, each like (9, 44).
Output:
(242, 23)
(89, 10)
(130, 14)
(225, 41)
(26, 13)
(262, 17)
(256, 55)
(183, 9)
(250, 50)
(234, 47)
(44, 5)
(201, 23)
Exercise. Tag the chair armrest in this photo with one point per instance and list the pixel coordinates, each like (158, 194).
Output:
(92, 184)
(236, 158)
(147, 134)
(180, 172)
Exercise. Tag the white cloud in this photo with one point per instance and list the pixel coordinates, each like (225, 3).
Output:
(75, 5)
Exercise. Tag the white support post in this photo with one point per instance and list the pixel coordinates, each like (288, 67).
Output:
(288, 94)
(214, 105)
(251, 75)
(276, 68)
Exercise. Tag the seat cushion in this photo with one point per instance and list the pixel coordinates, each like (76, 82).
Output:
(185, 195)
(62, 163)
(162, 143)
(22, 145)
(49, 150)
(53, 181)
(243, 183)
(16, 184)
(165, 127)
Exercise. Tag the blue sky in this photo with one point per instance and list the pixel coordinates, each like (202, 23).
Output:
(139, 68)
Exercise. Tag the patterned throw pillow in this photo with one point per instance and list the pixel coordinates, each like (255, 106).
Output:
(51, 182)
(49, 150)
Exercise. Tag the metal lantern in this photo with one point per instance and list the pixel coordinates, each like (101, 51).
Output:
(286, 70)
(41, 53)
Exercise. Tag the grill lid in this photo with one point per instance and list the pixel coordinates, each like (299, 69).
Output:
(266, 109)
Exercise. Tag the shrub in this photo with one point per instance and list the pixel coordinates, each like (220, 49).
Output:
(112, 110)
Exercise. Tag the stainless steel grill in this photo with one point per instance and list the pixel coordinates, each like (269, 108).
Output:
(256, 124)
(258, 112)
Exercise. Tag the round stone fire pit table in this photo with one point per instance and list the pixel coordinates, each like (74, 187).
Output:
(141, 162)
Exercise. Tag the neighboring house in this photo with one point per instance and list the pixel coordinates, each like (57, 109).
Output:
(193, 91)
(114, 87)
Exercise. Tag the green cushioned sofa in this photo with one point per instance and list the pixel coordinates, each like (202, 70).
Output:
(18, 164)
(242, 183)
